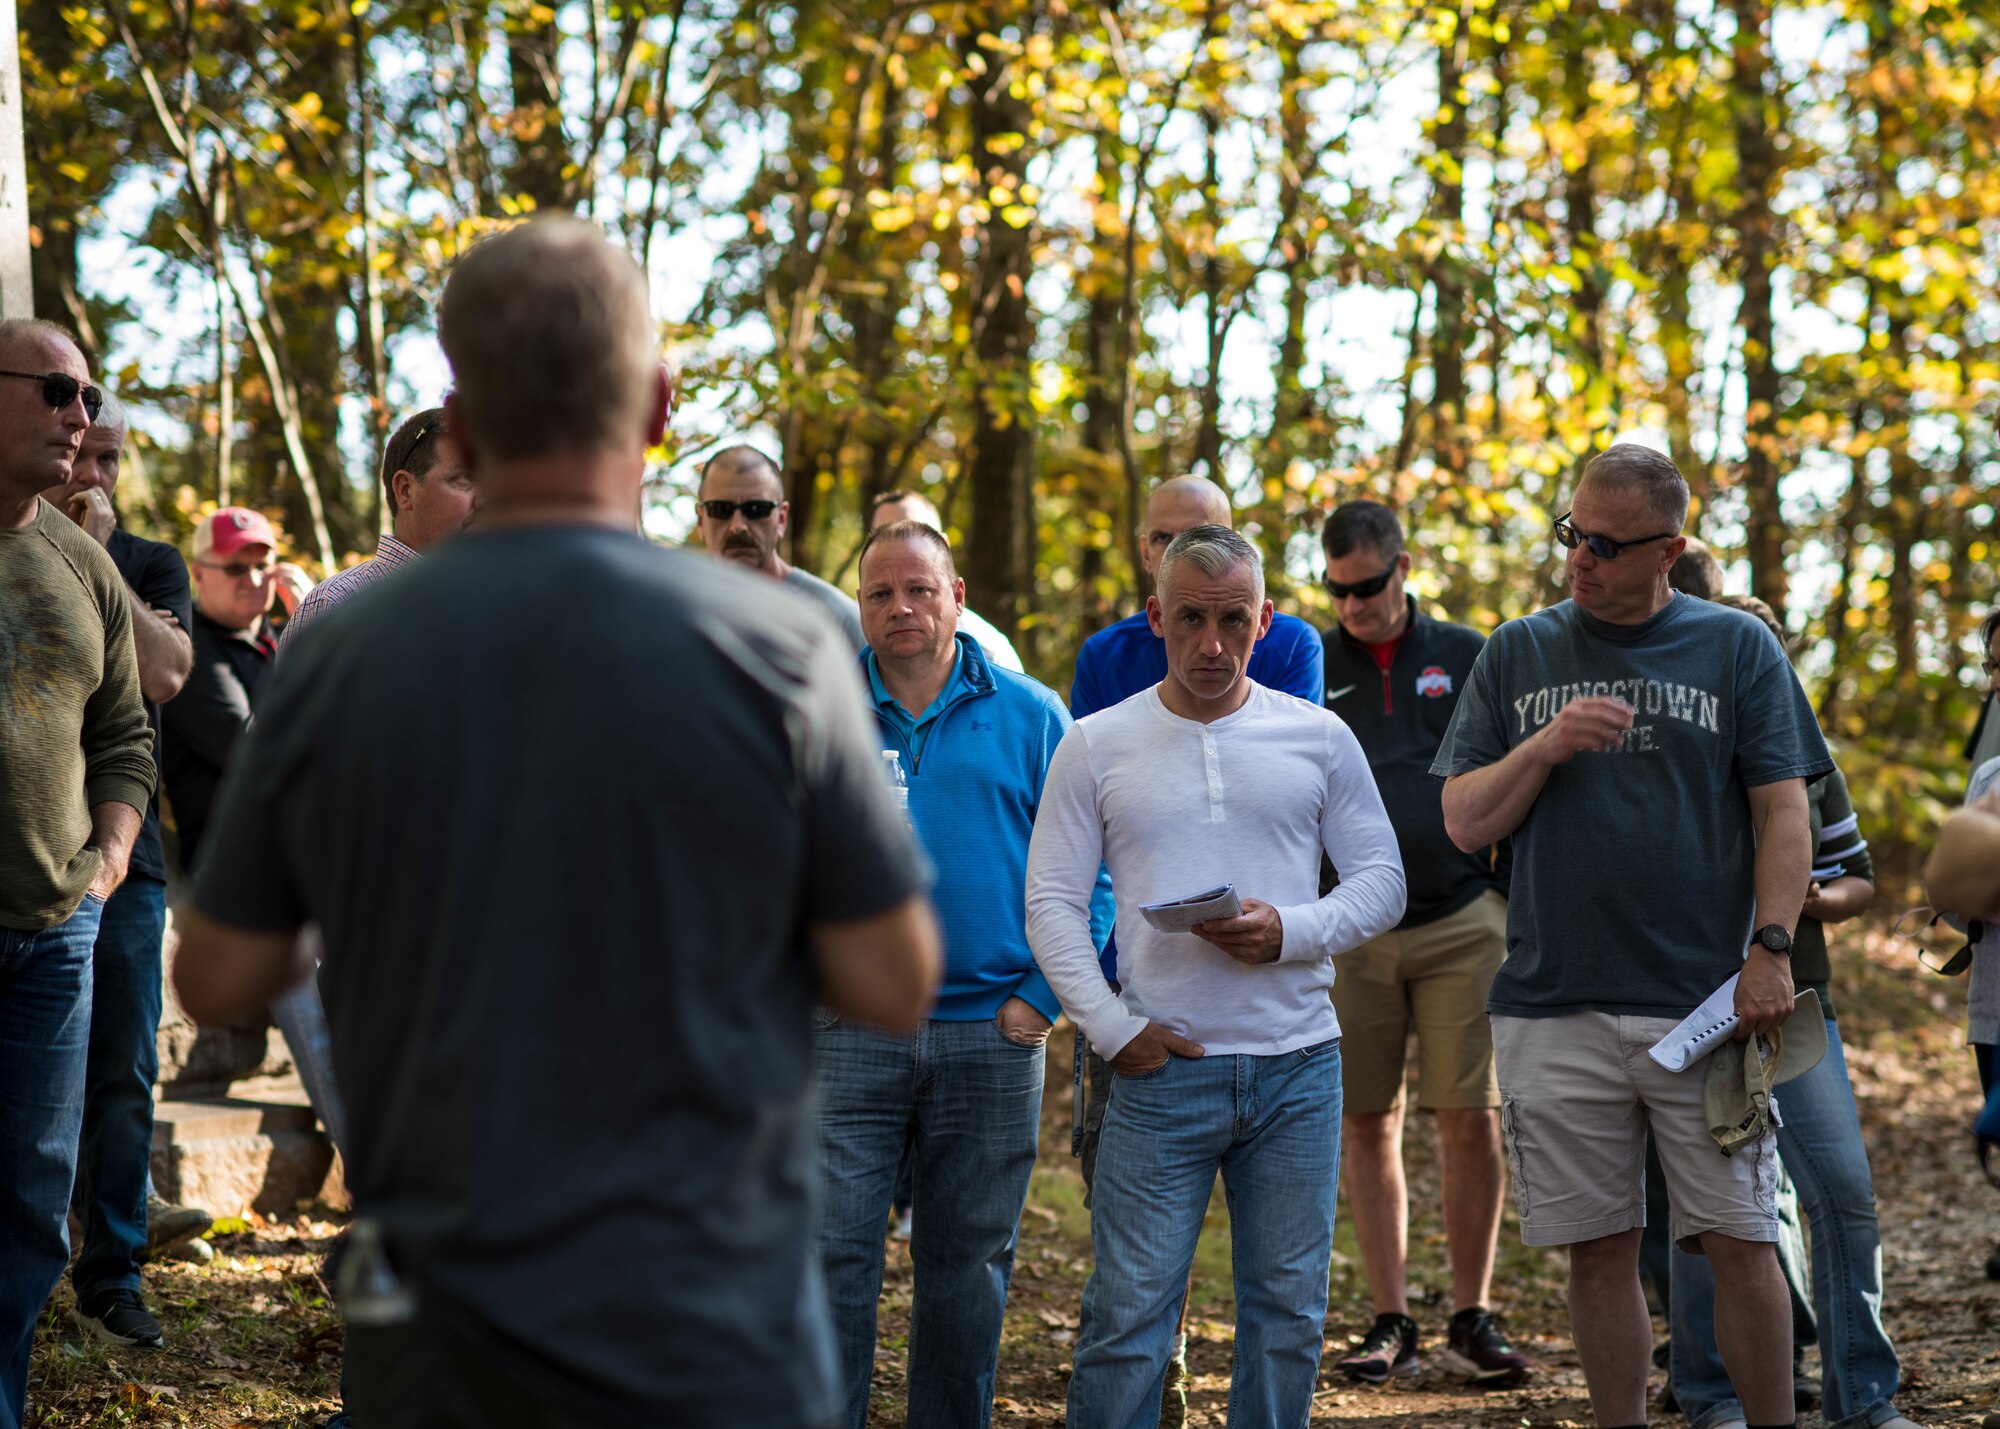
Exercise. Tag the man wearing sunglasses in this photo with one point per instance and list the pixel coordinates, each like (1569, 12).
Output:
(76, 776)
(1394, 674)
(1648, 753)
(237, 577)
(742, 513)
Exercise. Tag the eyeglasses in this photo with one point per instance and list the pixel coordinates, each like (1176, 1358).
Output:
(724, 510)
(1363, 590)
(1602, 547)
(59, 389)
(1926, 935)
(237, 570)
(1989, 666)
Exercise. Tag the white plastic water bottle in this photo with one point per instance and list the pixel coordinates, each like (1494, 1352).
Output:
(892, 768)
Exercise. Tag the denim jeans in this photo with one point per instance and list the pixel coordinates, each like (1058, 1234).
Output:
(302, 1019)
(44, 1048)
(967, 1102)
(1821, 1144)
(116, 1152)
(1271, 1127)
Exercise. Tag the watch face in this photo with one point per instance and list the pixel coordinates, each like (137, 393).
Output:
(1774, 938)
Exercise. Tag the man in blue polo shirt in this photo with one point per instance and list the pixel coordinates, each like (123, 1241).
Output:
(962, 1094)
(1117, 663)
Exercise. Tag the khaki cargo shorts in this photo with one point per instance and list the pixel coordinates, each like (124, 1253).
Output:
(1433, 980)
(1578, 1095)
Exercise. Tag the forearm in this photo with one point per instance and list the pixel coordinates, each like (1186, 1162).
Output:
(113, 827)
(1483, 806)
(165, 652)
(222, 972)
(1059, 934)
(1842, 898)
(1784, 861)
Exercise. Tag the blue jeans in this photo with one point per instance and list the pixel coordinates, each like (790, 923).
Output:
(301, 1017)
(117, 1148)
(1271, 1127)
(1821, 1144)
(44, 1048)
(966, 1101)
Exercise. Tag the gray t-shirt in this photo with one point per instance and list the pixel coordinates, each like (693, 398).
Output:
(840, 605)
(565, 805)
(1633, 882)
(1982, 994)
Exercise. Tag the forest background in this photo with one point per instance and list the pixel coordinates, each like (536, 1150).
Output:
(1032, 257)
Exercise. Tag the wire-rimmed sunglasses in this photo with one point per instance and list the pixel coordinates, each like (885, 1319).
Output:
(725, 510)
(1913, 927)
(59, 389)
(1602, 547)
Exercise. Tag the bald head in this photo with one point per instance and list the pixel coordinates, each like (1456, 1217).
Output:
(1178, 505)
(550, 334)
(745, 471)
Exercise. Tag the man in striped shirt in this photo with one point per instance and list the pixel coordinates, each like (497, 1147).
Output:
(429, 492)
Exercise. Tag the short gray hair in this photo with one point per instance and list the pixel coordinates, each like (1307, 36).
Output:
(111, 415)
(1212, 550)
(550, 334)
(1627, 466)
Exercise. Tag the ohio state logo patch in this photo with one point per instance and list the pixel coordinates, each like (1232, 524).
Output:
(1434, 683)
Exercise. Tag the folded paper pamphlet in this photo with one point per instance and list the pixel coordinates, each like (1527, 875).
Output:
(1180, 914)
(1701, 1031)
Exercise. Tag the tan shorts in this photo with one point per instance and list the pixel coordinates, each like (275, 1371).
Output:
(1578, 1095)
(1433, 979)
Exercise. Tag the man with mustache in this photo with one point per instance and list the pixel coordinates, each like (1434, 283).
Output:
(76, 775)
(743, 512)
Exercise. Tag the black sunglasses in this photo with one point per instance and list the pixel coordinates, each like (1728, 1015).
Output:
(59, 389)
(1602, 547)
(723, 510)
(1363, 590)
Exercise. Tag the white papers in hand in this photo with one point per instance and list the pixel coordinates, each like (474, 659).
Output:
(1180, 914)
(1701, 1031)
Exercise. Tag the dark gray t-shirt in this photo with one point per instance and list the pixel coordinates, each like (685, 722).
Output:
(564, 804)
(1633, 885)
(835, 601)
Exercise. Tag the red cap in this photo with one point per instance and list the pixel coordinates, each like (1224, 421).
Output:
(230, 530)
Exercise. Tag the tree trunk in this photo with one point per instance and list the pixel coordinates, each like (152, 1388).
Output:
(1448, 140)
(1208, 435)
(540, 151)
(1003, 420)
(1756, 244)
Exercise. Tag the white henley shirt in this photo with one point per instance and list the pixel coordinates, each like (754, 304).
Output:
(1172, 806)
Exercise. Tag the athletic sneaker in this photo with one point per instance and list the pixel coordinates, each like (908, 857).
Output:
(1388, 1350)
(1477, 1350)
(120, 1317)
(168, 1224)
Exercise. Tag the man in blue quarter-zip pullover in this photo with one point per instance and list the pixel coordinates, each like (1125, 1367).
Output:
(963, 1093)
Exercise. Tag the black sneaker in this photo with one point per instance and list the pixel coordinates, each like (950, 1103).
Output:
(1993, 1264)
(1388, 1350)
(120, 1317)
(1805, 1386)
(1477, 1350)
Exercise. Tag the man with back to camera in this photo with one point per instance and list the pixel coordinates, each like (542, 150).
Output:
(76, 775)
(742, 513)
(959, 1099)
(124, 1224)
(1585, 730)
(1226, 1049)
(1393, 674)
(613, 1231)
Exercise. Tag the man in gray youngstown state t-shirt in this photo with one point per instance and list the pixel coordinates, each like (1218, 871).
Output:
(1648, 753)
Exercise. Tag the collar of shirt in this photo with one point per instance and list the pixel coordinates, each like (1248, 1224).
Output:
(891, 709)
(392, 552)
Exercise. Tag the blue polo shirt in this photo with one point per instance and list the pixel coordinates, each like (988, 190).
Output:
(914, 729)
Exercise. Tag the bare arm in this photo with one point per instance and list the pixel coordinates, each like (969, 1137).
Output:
(1839, 899)
(165, 652)
(113, 827)
(882, 969)
(1483, 806)
(1784, 868)
(223, 972)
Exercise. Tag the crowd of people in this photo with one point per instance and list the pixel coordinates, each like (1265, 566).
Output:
(647, 930)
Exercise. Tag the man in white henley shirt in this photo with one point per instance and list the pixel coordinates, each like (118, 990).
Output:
(1224, 1046)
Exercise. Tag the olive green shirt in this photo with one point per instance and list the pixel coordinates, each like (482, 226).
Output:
(73, 731)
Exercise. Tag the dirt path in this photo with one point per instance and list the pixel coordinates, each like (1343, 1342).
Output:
(253, 1342)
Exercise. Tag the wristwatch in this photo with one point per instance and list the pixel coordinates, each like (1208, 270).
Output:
(1774, 939)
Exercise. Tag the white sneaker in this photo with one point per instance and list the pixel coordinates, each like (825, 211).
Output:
(904, 1225)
